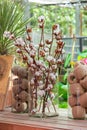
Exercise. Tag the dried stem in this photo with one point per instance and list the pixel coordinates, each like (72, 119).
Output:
(45, 70)
(51, 44)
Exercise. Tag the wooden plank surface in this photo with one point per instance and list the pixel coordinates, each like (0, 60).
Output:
(21, 121)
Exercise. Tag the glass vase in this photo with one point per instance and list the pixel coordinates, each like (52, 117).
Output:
(42, 102)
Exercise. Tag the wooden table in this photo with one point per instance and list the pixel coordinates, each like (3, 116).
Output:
(13, 121)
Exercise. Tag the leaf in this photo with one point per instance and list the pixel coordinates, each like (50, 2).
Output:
(63, 90)
(65, 76)
(82, 55)
(63, 105)
(11, 19)
(67, 60)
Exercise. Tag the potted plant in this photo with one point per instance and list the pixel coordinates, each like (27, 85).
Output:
(11, 18)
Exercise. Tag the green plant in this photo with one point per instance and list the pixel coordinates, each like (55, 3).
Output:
(67, 61)
(63, 94)
(64, 16)
(62, 85)
(11, 19)
(82, 55)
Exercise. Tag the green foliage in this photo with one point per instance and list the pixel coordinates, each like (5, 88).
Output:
(55, 90)
(84, 22)
(82, 55)
(65, 16)
(62, 91)
(67, 61)
(11, 19)
(54, 14)
(63, 105)
(62, 85)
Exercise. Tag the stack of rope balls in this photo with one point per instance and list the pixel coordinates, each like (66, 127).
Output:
(77, 80)
(20, 89)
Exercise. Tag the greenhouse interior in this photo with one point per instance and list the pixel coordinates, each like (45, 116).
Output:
(43, 64)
